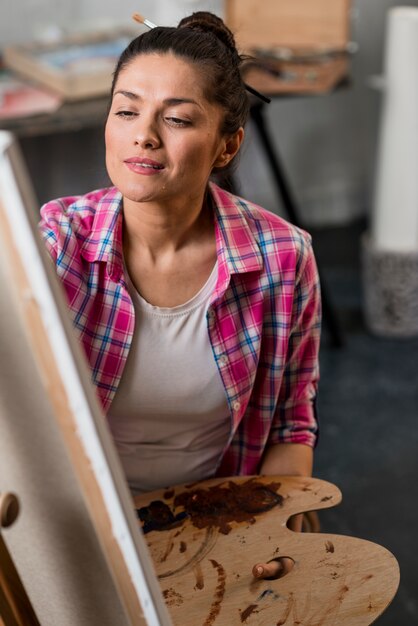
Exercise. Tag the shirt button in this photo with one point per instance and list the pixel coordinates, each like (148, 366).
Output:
(223, 359)
(211, 314)
(236, 405)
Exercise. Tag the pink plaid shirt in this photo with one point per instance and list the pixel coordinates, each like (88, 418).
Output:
(263, 319)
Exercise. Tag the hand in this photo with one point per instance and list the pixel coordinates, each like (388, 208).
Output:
(273, 569)
(286, 459)
(283, 565)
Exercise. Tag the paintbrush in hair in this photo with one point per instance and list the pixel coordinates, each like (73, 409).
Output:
(142, 20)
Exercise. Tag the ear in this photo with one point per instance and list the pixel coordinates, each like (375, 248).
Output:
(229, 148)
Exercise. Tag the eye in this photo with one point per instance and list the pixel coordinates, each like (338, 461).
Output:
(177, 121)
(125, 114)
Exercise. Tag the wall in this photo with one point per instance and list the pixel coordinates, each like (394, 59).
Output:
(327, 143)
(25, 19)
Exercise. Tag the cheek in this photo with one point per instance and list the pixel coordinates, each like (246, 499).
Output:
(194, 162)
(112, 145)
(110, 152)
(108, 141)
(204, 151)
(115, 134)
(109, 135)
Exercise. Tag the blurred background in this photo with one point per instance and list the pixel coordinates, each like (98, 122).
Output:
(333, 183)
(329, 146)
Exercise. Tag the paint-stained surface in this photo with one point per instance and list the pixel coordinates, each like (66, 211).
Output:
(205, 538)
(221, 505)
(216, 506)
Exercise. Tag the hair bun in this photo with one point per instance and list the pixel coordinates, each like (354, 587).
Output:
(206, 22)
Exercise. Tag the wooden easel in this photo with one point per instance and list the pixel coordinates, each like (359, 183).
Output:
(15, 606)
(91, 452)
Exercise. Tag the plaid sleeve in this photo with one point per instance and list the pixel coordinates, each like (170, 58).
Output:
(49, 236)
(49, 227)
(295, 415)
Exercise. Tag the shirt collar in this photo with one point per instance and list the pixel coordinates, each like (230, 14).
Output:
(237, 249)
(104, 242)
(235, 241)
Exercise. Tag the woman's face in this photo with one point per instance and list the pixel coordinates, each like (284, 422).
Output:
(162, 135)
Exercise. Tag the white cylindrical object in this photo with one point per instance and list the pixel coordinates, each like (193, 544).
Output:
(395, 216)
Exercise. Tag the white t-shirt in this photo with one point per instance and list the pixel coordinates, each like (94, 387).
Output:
(170, 418)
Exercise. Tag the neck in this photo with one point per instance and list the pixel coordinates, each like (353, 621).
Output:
(159, 230)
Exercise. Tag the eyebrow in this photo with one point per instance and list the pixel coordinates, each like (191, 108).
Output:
(167, 101)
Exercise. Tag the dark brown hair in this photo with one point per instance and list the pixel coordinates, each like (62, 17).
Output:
(204, 40)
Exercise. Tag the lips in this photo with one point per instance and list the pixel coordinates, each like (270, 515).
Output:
(138, 163)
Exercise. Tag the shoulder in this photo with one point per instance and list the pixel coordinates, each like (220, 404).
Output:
(80, 223)
(75, 212)
(74, 224)
(271, 233)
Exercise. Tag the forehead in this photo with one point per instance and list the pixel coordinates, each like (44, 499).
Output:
(163, 73)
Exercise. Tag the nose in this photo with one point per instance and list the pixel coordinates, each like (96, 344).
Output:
(146, 132)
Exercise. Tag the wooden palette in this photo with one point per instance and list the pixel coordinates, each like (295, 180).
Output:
(205, 538)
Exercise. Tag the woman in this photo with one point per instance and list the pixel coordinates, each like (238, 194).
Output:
(198, 311)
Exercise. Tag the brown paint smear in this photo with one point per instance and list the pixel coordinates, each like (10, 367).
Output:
(219, 594)
(248, 611)
(287, 611)
(200, 581)
(172, 598)
(222, 504)
(169, 548)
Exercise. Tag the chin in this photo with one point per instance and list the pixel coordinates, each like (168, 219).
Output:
(136, 195)
(133, 192)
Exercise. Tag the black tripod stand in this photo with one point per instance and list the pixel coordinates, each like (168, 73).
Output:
(284, 191)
